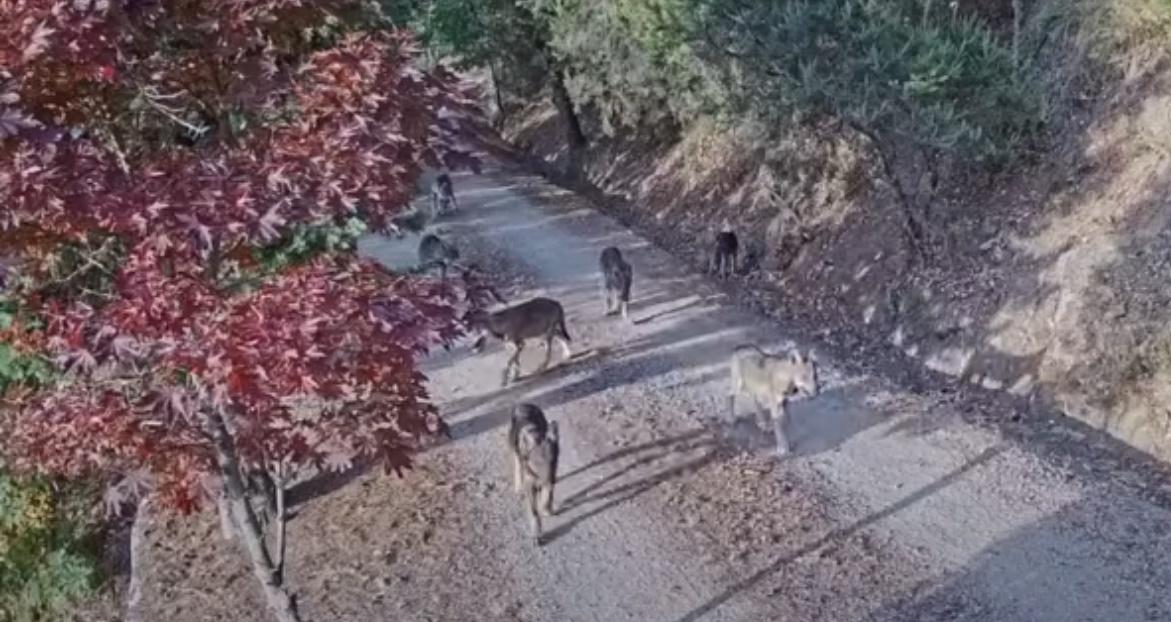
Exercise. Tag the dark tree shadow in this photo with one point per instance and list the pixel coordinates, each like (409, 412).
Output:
(1059, 569)
(646, 319)
(633, 362)
(839, 535)
(587, 495)
(323, 484)
(635, 449)
(825, 422)
(627, 492)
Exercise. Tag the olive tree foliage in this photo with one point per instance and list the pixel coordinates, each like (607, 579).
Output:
(502, 36)
(892, 67)
(628, 61)
(631, 61)
(913, 69)
(921, 81)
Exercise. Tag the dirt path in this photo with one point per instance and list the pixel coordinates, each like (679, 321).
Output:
(959, 521)
(892, 508)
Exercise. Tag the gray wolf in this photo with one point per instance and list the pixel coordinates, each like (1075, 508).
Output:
(534, 446)
(617, 277)
(534, 319)
(771, 379)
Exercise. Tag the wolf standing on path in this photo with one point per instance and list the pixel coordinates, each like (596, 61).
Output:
(534, 446)
(727, 248)
(617, 277)
(443, 195)
(537, 318)
(771, 379)
(435, 252)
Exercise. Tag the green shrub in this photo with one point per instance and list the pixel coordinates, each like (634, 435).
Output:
(917, 70)
(632, 61)
(17, 368)
(500, 34)
(943, 81)
(48, 556)
(306, 242)
(946, 82)
(48, 550)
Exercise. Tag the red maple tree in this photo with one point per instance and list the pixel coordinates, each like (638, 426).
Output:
(149, 151)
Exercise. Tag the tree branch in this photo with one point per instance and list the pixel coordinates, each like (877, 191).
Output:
(281, 517)
(912, 228)
(245, 522)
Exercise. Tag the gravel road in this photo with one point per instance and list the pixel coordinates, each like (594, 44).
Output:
(893, 506)
(943, 519)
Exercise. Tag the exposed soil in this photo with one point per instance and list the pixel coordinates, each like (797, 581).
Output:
(897, 505)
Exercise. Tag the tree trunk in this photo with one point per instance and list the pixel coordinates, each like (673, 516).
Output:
(137, 541)
(574, 136)
(914, 224)
(498, 122)
(247, 526)
(226, 528)
(282, 520)
(1017, 17)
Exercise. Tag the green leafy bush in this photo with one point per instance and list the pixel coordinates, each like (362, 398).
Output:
(502, 35)
(47, 552)
(943, 81)
(919, 70)
(632, 61)
(48, 556)
(897, 68)
(18, 368)
(302, 244)
(305, 242)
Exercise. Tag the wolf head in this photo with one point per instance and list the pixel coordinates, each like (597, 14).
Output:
(476, 320)
(530, 437)
(805, 374)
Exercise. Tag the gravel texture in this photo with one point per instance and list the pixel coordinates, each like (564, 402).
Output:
(894, 505)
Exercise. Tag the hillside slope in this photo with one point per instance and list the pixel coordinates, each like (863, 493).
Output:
(1050, 280)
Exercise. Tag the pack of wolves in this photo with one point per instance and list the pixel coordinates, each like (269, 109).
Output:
(770, 380)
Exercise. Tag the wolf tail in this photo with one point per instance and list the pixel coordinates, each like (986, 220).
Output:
(561, 328)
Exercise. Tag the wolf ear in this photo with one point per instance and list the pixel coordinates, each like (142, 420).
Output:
(795, 356)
